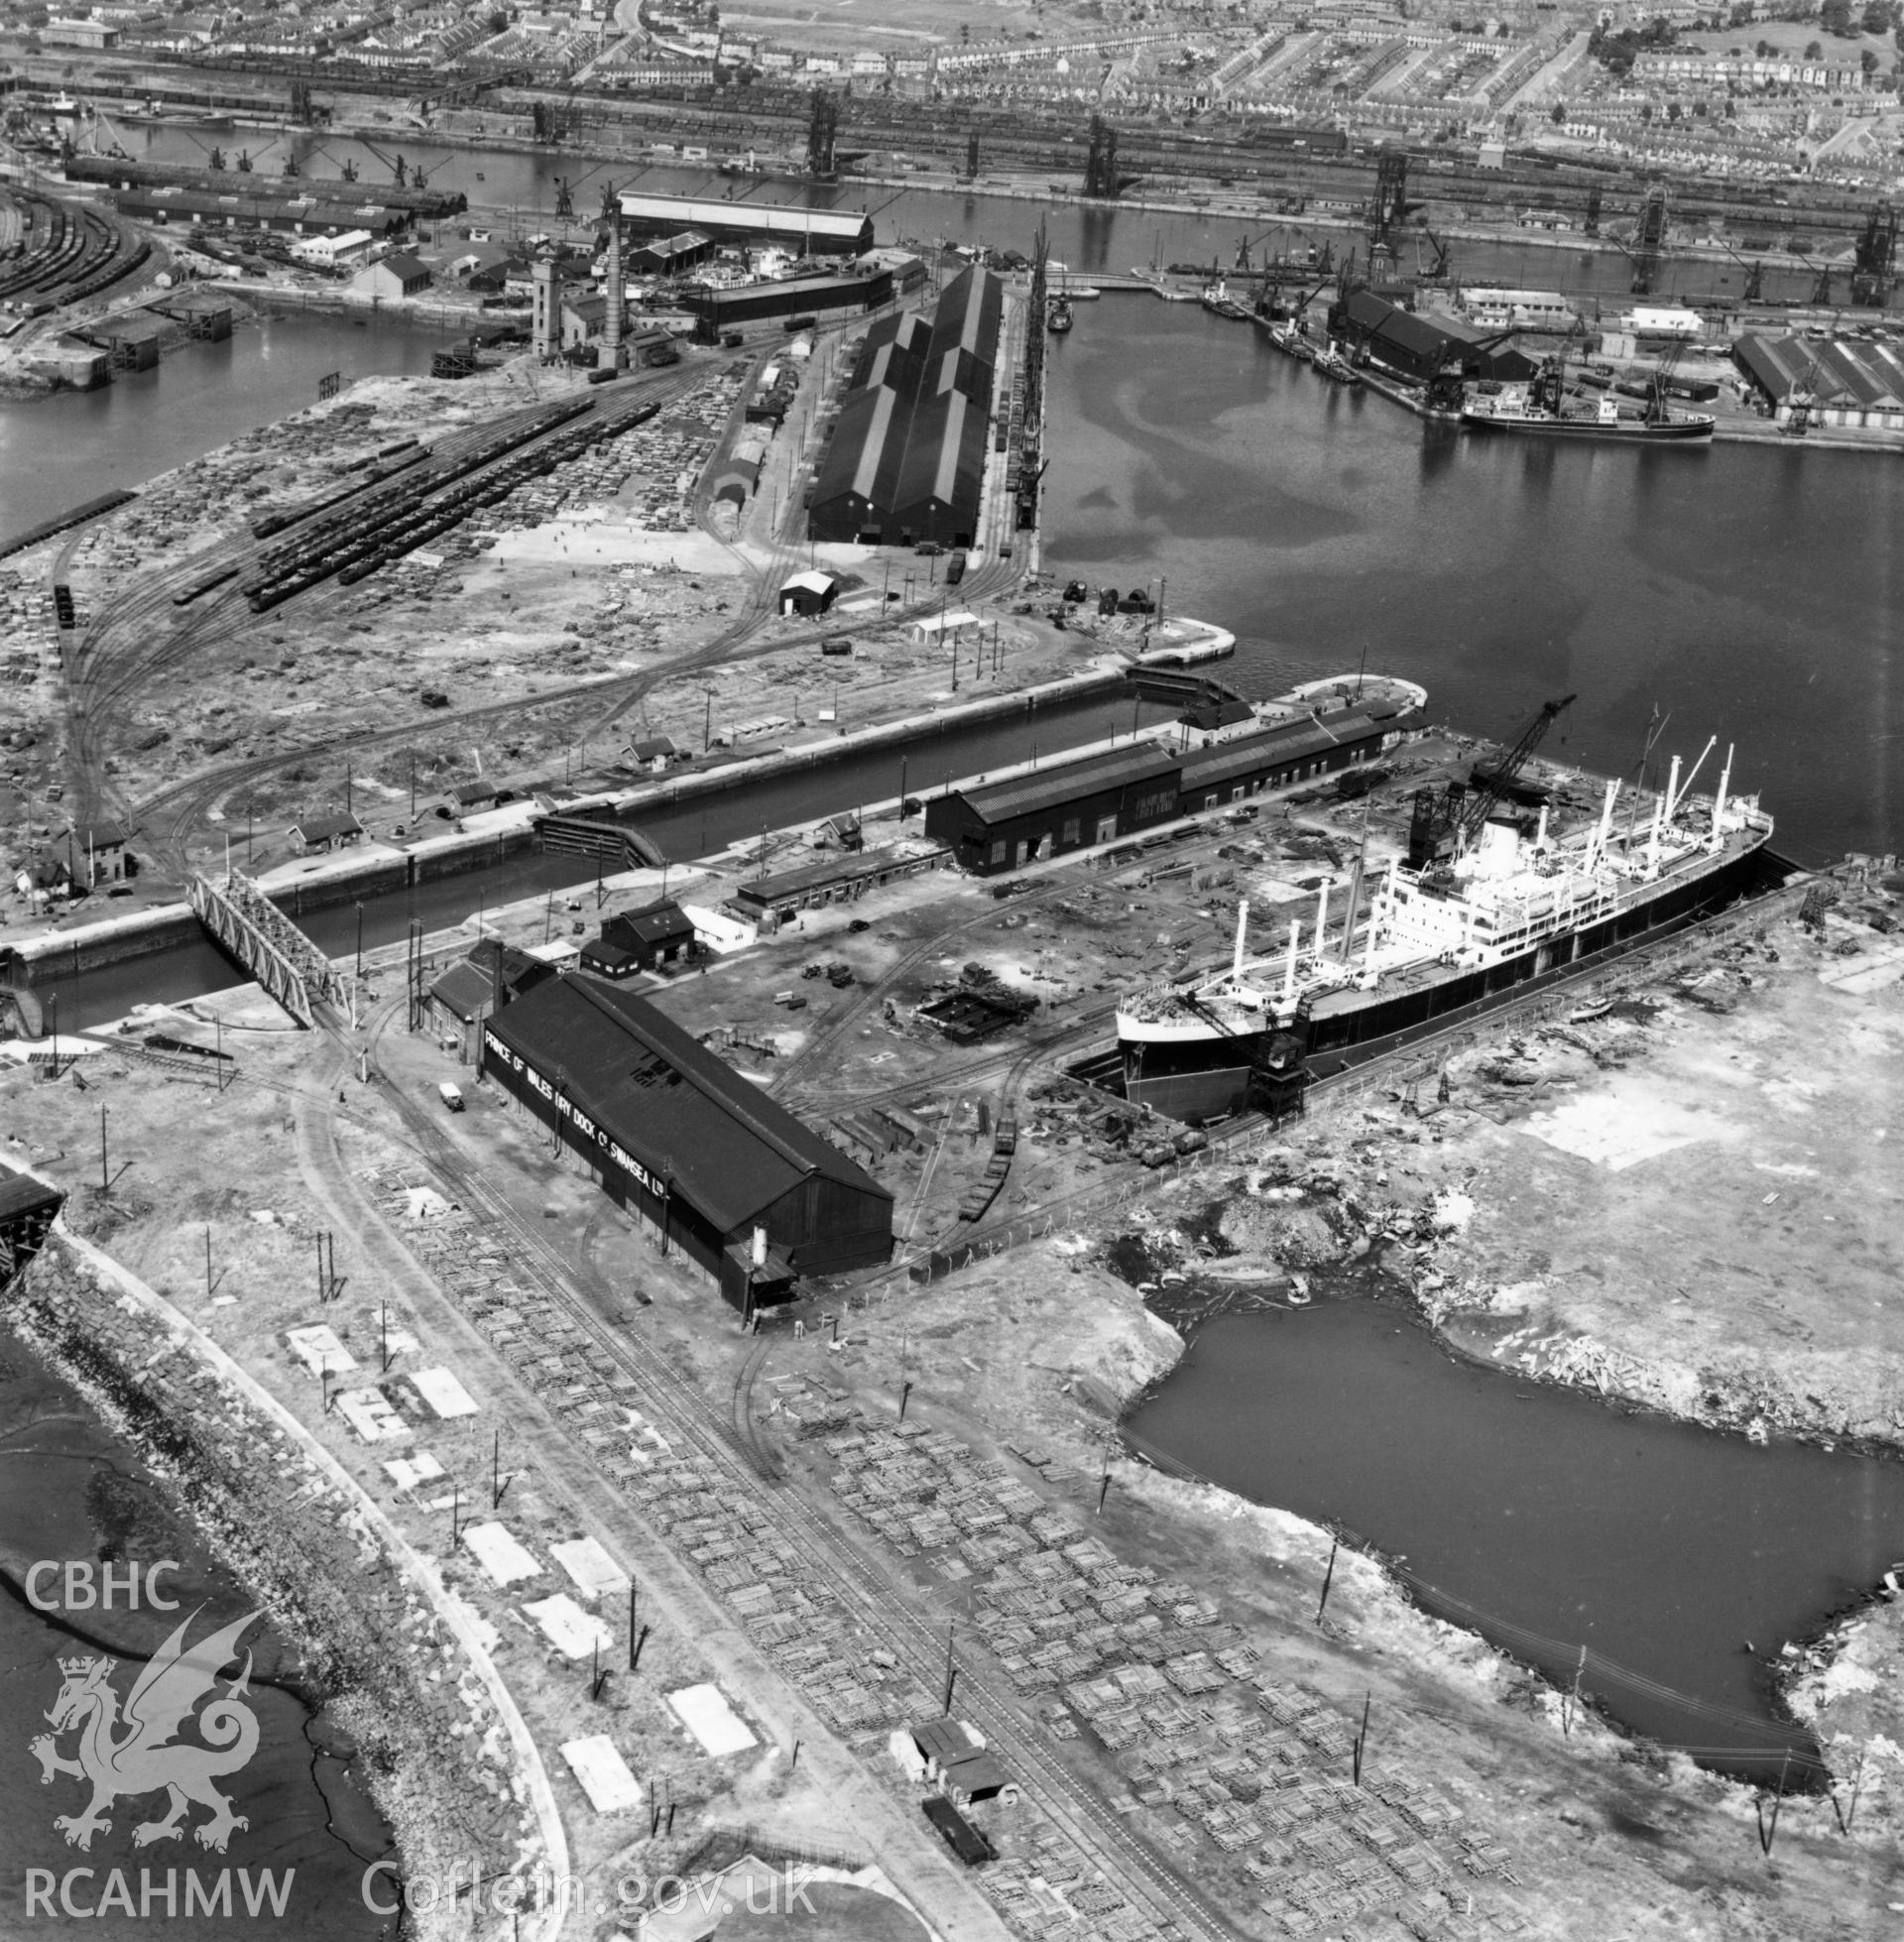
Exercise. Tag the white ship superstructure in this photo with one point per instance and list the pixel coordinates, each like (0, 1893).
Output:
(1401, 945)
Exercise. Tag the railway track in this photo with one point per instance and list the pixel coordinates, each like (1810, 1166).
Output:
(736, 1448)
(148, 634)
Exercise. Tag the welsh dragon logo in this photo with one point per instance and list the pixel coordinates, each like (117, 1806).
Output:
(145, 1756)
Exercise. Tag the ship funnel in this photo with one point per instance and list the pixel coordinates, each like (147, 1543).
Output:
(1242, 926)
(1671, 802)
(1289, 970)
(1718, 800)
(1540, 832)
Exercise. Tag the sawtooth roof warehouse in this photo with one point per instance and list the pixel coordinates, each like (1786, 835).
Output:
(719, 1175)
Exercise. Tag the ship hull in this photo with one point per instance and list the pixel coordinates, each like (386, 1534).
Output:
(1631, 431)
(1208, 1076)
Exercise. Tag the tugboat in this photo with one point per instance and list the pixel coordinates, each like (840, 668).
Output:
(1337, 368)
(1541, 408)
(1057, 315)
(1216, 299)
(1488, 903)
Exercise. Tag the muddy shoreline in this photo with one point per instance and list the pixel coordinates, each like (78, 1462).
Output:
(309, 1564)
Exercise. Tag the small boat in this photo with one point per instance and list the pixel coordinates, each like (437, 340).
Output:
(1286, 335)
(1337, 368)
(1057, 317)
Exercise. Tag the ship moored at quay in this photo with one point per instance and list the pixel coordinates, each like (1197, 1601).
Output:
(1488, 900)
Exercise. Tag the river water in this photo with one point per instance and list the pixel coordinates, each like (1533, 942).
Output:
(1680, 1558)
(69, 1493)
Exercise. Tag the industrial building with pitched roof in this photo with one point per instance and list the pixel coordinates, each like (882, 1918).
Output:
(907, 458)
(720, 1176)
(1119, 793)
(1413, 347)
(1837, 381)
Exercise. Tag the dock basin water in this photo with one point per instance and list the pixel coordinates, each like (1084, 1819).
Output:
(1681, 1557)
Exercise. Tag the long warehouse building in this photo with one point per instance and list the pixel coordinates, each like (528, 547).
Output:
(813, 232)
(1119, 793)
(717, 1173)
(907, 459)
(1840, 381)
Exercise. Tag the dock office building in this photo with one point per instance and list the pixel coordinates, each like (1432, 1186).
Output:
(720, 1176)
(1121, 792)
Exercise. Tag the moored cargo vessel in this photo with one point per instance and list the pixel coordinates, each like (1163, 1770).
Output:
(1541, 409)
(1488, 904)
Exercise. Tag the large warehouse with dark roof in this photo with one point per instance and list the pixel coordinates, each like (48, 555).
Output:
(1117, 793)
(718, 1173)
(1413, 347)
(907, 459)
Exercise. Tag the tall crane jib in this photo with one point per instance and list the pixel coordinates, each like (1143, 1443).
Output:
(821, 129)
(1391, 193)
(1875, 264)
(1101, 180)
(1649, 241)
(1443, 824)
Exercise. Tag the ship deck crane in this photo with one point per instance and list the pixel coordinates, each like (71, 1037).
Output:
(1443, 825)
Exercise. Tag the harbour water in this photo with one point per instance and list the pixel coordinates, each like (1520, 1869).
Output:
(60, 451)
(1741, 592)
(1680, 1558)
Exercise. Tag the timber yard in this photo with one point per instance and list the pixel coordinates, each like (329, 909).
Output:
(666, 1072)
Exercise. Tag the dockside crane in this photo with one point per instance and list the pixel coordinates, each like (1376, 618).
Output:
(1822, 273)
(1802, 400)
(1444, 823)
(1754, 290)
(1875, 266)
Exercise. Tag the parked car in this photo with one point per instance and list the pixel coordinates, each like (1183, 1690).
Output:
(451, 1096)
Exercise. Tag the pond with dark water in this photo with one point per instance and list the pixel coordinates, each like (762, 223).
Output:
(1680, 1558)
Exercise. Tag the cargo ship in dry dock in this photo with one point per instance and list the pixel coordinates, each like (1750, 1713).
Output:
(1488, 902)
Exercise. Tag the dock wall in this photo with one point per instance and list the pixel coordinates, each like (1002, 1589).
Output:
(345, 878)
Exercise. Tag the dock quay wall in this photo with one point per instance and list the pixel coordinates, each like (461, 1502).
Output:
(345, 878)
(88, 947)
